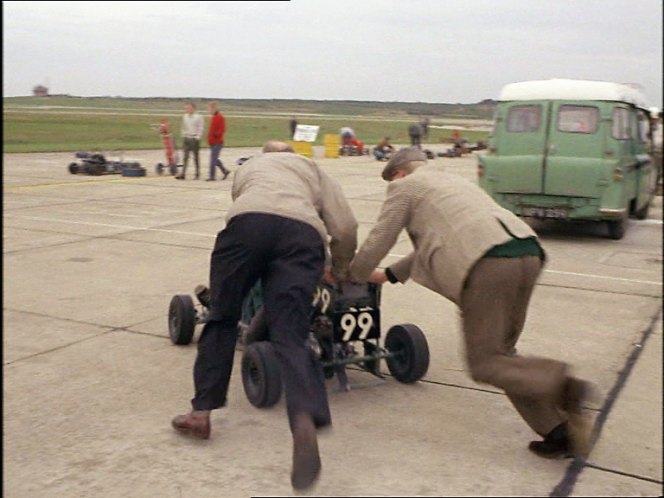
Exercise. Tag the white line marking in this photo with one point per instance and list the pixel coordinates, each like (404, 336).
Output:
(151, 229)
(604, 277)
(125, 227)
(647, 222)
(588, 275)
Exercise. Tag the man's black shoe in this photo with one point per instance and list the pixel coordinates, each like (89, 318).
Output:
(556, 444)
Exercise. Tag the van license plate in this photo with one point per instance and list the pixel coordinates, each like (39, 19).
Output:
(539, 212)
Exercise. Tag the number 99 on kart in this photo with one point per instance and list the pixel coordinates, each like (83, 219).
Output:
(357, 326)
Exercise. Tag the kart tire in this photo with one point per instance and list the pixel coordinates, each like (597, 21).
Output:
(159, 169)
(181, 319)
(261, 376)
(411, 361)
(257, 330)
(173, 169)
(73, 168)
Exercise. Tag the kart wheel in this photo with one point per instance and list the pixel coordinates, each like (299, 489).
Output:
(173, 169)
(257, 330)
(159, 169)
(181, 319)
(261, 377)
(73, 168)
(411, 359)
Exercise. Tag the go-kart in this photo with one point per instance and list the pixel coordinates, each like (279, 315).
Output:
(94, 163)
(345, 329)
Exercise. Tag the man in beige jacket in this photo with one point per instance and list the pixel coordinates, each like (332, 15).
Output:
(486, 260)
(284, 211)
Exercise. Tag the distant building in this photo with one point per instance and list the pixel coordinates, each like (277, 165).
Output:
(40, 91)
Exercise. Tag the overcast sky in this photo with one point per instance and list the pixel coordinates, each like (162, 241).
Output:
(443, 51)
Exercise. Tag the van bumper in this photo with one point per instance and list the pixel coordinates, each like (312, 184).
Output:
(613, 213)
(560, 207)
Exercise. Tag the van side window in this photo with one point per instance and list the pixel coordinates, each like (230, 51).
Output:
(620, 126)
(578, 119)
(524, 118)
(644, 126)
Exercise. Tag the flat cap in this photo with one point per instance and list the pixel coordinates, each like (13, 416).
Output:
(402, 157)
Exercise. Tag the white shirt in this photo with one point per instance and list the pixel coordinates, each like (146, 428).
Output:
(192, 125)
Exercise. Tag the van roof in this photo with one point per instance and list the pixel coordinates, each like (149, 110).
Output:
(567, 89)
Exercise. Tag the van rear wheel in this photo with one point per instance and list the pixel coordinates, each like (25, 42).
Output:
(617, 228)
(642, 214)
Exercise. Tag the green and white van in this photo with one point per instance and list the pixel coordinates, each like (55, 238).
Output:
(571, 150)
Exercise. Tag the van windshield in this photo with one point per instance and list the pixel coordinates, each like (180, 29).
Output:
(577, 119)
(524, 118)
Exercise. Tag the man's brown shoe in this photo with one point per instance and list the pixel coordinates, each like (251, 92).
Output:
(196, 423)
(306, 461)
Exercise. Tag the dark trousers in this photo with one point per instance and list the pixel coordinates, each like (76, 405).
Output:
(493, 304)
(215, 162)
(288, 257)
(191, 145)
(415, 141)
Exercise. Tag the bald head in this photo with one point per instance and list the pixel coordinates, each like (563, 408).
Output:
(276, 146)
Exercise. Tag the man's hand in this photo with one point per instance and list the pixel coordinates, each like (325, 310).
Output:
(377, 276)
(328, 277)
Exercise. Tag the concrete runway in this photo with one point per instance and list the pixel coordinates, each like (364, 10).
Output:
(91, 379)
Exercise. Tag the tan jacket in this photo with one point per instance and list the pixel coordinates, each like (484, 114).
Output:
(293, 186)
(451, 222)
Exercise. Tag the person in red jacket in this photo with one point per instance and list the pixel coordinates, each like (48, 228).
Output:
(216, 141)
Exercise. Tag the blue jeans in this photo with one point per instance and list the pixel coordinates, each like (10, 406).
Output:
(215, 150)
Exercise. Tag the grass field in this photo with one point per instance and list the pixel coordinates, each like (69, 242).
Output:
(63, 123)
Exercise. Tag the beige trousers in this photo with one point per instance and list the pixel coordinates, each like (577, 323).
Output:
(493, 307)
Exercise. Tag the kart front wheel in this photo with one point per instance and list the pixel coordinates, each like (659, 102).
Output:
(181, 319)
(261, 376)
(410, 360)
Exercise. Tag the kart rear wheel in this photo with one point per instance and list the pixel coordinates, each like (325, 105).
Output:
(411, 353)
(181, 319)
(261, 377)
(73, 168)
(159, 169)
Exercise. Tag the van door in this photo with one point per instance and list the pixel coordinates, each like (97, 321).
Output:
(646, 175)
(521, 137)
(574, 156)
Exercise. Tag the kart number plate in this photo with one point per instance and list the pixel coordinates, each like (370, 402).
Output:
(356, 324)
(539, 212)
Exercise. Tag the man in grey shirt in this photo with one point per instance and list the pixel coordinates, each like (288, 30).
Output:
(192, 131)
(284, 211)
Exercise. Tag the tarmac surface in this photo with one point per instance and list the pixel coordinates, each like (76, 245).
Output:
(91, 379)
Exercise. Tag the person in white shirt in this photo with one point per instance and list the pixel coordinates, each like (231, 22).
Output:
(192, 131)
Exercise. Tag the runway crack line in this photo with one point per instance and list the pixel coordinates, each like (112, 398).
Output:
(566, 485)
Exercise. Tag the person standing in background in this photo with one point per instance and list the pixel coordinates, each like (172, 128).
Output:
(216, 141)
(192, 131)
(293, 127)
(415, 134)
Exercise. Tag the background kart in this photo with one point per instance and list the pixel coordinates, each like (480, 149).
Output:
(94, 163)
(345, 329)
